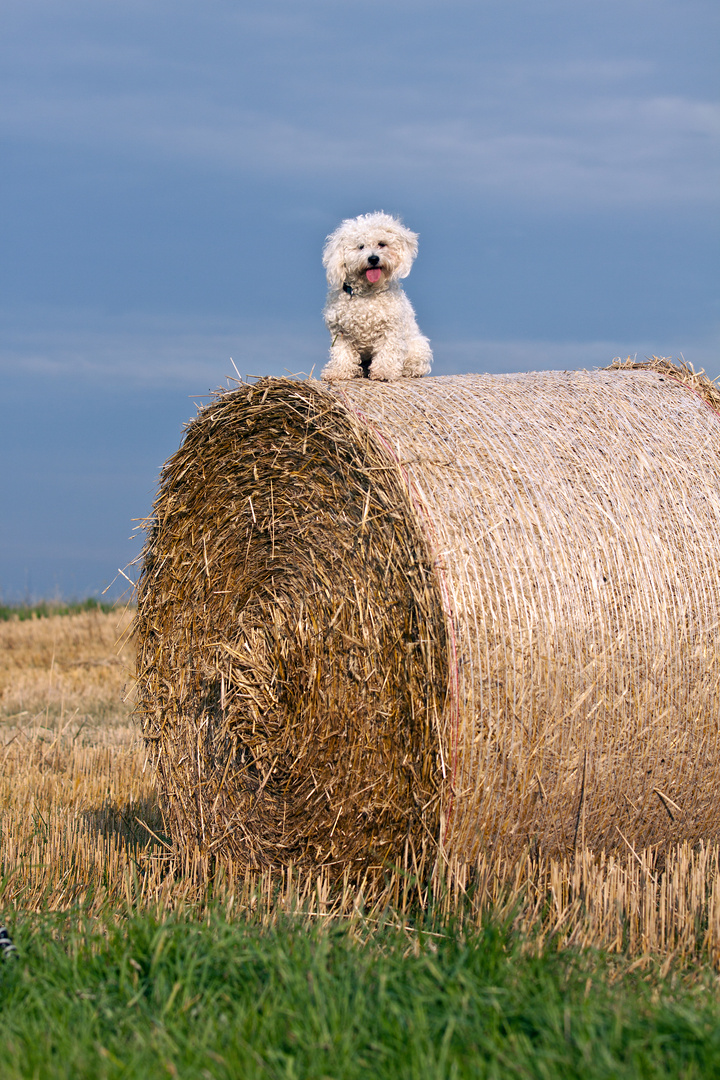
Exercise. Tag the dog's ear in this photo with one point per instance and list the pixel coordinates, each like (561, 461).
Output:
(407, 247)
(334, 260)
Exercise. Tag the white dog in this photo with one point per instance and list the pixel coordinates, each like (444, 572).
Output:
(370, 319)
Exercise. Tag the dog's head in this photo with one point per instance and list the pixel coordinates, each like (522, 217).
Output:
(368, 251)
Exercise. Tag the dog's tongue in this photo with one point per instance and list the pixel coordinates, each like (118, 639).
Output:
(373, 275)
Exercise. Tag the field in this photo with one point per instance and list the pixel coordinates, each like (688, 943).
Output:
(130, 965)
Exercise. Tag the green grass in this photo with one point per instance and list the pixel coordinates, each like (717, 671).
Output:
(47, 608)
(137, 998)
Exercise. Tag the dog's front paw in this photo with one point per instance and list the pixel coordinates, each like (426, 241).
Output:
(419, 358)
(385, 368)
(330, 374)
(343, 364)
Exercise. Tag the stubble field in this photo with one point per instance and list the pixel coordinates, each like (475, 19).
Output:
(131, 965)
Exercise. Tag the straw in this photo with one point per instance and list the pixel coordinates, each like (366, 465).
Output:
(381, 623)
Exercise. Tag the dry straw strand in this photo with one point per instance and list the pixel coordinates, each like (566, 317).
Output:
(381, 624)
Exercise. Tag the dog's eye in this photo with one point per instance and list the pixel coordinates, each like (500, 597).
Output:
(360, 247)
(382, 244)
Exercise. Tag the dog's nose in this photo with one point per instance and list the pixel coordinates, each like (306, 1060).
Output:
(373, 260)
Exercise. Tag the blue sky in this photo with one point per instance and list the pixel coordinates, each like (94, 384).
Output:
(171, 169)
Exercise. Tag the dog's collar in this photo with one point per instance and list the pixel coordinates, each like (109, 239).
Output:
(348, 288)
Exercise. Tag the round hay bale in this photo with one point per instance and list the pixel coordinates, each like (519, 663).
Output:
(376, 620)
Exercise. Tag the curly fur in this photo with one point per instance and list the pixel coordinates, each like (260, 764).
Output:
(372, 323)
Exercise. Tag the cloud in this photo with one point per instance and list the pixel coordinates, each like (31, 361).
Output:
(145, 351)
(197, 355)
(287, 95)
(609, 151)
